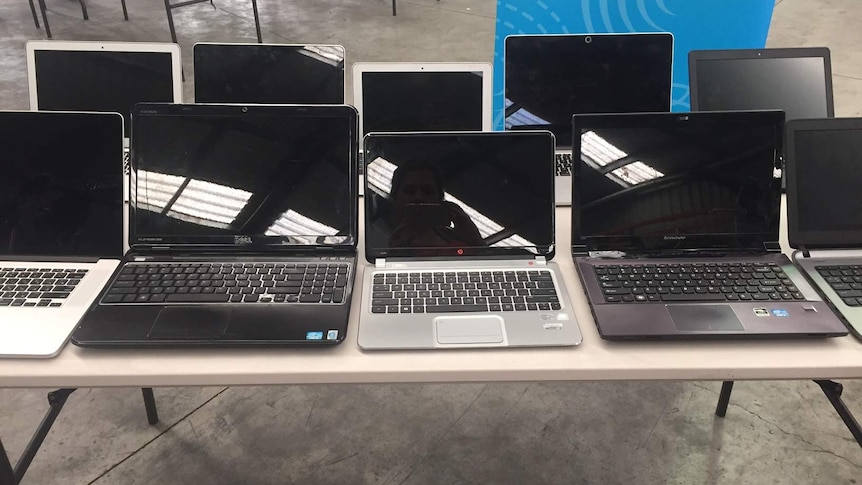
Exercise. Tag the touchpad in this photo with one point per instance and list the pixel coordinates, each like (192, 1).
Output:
(479, 329)
(190, 323)
(699, 318)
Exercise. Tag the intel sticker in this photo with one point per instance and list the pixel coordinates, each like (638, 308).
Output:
(780, 312)
(332, 335)
(314, 336)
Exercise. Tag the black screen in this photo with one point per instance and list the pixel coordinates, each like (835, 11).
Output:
(796, 85)
(244, 179)
(677, 181)
(480, 194)
(551, 77)
(421, 101)
(269, 74)
(102, 81)
(61, 184)
(828, 175)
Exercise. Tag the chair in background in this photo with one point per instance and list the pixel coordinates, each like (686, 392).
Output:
(43, 9)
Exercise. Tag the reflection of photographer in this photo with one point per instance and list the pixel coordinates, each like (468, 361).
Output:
(421, 218)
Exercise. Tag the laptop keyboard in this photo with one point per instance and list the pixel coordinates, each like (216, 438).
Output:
(846, 280)
(563, 164)
(463, 291)
(38, 287)
(165, 283)
(695, 282)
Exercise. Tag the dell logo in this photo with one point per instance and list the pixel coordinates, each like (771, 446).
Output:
(242, 240)
(674, 238)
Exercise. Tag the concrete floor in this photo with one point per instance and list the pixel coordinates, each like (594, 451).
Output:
(621, 432)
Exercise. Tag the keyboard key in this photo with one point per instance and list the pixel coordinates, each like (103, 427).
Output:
(198, 298)
(458, 308)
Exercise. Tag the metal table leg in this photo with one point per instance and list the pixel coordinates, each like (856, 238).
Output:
(35, 16)
(833, 392)
(7, 473)
(256, 21)
(150, 405)
(42, 9)
(723, 398)
(56, 400)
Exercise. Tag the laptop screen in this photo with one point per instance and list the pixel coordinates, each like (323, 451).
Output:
(422, 101)
(61, 184)
(550, 77)
(677, 181)
(260, 73)
(244, 177)
(824, 158)
(450, 194)
(798, 81)
(102, 80)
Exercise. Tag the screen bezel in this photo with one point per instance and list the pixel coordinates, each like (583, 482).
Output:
(578, 39)
(797, 238)
(120, 174)
(695, 56)
(258, 243)
(217, 45)
(469, 253)
(694, 242)
(485, 68)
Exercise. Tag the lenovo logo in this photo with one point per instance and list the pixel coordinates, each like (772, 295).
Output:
(674, 238)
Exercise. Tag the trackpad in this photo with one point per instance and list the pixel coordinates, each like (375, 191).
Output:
(468, 329)
(190, 323)
(700, 318)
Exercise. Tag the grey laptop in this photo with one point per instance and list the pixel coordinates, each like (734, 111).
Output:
(61, 223)
(550, 77)
(460, 229)
(825, 211)
(675, 223)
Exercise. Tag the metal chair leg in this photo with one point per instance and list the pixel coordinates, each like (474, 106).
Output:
(84, 9)
(393, 8)
(43, 9)
(256, 21)
(35, 16)
(125, 12)
(170, 21)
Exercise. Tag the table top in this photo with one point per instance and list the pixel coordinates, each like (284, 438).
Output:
(595, 359)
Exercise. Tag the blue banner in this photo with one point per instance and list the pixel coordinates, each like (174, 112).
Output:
(695, 24)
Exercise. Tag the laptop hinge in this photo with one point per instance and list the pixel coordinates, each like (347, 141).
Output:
(380, 263)
(804, 251)
(772, 246)
(541, 261)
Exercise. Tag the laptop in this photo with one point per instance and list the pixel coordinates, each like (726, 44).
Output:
(416, 96)
(675, 223)
(269, 73)
(823, 210)
(460, 229)
(102, 76)
(744, 79)
(548, 78)
(243, 229)
(61, 223)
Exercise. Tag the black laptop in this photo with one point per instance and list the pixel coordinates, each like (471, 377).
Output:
(242, 229)
(675, 221)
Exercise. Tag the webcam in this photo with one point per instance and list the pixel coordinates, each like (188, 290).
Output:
(245, 109)
(588, 40)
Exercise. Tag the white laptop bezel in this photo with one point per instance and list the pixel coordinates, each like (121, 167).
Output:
(485, 68)
(32, 46)
(268, 44)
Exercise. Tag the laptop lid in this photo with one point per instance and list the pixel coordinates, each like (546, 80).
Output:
(272, 178)
(269, 73)
(823, 179)
(61, 185)
(796, 80)
(415, 96)
(550, 77)
(459, 195)
(676, 182)
(102, 76)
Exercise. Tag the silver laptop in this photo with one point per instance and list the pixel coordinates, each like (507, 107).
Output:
(825, 211)
(416, 96)
(460, 228)
(102, 76)
(61, 203)
(548, 78)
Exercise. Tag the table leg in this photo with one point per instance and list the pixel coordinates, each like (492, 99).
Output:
(42, 9)
(833, 391)
(256, 21)
(84, 9)
(723, 398)
(56, 399)
(393, 8)
(125, 12)
(150, 405)
(7, 473)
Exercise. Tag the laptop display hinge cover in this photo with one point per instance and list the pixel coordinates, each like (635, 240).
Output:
(541, 261)
(772, 246)
(380, 263)
(804, 251)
